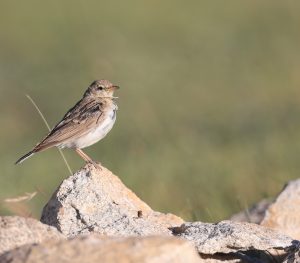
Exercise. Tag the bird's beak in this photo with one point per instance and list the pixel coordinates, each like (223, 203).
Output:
(114, 87)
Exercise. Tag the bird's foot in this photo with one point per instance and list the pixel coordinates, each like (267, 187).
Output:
(96, 165)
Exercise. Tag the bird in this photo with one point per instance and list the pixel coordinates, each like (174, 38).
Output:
(83, 125)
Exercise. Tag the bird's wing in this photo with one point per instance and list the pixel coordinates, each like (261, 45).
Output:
(78, 121)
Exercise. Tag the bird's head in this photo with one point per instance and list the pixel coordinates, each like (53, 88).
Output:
(101, 89)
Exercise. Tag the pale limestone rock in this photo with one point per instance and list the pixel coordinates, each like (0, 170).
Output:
(284, 213)
(96, 248)
(293, 254)
(95, 200)
(239, 240)
(16, 231)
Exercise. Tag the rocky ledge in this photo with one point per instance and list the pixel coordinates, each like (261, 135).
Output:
(93, 215)
(95, 200)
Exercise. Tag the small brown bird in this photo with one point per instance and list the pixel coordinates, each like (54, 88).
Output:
(85, 124)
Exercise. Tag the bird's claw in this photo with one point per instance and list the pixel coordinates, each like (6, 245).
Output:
(96, 165)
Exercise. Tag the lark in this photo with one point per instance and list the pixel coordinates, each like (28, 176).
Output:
(86, 123)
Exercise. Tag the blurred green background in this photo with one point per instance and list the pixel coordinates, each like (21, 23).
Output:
(209, 105)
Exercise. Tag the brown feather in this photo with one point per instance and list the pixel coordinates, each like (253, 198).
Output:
(77, 122)
(85, 117)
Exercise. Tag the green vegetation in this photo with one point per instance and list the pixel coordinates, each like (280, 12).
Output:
(209, 108)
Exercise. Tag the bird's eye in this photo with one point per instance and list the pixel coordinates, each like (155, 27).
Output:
(100, 88)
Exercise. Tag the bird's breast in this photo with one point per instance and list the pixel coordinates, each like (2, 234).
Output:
(104, 126)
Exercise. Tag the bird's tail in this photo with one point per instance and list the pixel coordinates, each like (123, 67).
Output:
(24, 157)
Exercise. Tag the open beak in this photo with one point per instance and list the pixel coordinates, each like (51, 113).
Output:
(114, 87)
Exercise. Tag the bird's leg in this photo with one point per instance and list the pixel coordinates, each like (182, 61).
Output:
(85, 157)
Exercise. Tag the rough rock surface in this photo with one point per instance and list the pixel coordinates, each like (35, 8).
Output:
(16, 231)
(284, 213)
(94, 248)
(95, 200)
(254, 214)
(233, 238)
(293, 254)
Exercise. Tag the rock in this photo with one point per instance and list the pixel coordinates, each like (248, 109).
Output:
(284, 213)
(293, 254)
(241, 240)
(16, 231)
(95, 200)
(254, 214)
(94, 248)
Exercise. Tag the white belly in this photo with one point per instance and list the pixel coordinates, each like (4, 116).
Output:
(96, 135)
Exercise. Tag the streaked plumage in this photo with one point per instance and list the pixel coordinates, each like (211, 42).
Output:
(85, 124)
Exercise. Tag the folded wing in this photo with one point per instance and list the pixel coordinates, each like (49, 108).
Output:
(77, 122)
